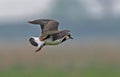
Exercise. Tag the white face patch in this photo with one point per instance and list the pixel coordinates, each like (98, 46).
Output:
(38, 41)
(67, 37)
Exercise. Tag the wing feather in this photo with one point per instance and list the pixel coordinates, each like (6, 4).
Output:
(47, 25)
(60, 34)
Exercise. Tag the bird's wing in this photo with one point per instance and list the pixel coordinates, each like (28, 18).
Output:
(60, 34)
(47, 25)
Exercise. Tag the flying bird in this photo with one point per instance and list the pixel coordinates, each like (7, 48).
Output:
(50, 35)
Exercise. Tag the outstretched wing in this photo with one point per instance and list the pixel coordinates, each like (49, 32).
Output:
(47, 25)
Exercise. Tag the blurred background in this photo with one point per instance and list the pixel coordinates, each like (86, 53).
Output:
(94, 52)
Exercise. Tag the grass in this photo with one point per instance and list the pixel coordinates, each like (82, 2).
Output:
(78, 60)
(59, 72)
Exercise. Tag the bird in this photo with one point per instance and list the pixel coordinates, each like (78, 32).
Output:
(50, 35)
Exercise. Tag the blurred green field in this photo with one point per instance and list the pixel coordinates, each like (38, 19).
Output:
(91, 71)
(90, 59)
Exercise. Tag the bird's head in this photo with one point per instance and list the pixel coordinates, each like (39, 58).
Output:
(35, 41)
(69, 36)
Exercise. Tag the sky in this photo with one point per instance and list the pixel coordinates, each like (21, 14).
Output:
(18, 8)
(100, 8)
(71, 14)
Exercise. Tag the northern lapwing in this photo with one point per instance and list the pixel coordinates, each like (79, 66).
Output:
(50, 34)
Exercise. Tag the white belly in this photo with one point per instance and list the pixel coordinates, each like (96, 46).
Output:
(38, 41)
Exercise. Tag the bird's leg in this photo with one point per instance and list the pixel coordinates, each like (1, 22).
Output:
(40, 47)
(41, 38)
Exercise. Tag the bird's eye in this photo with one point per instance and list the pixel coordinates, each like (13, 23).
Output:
(69, 35)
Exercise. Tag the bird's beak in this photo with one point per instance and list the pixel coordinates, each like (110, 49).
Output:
(71, 37)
